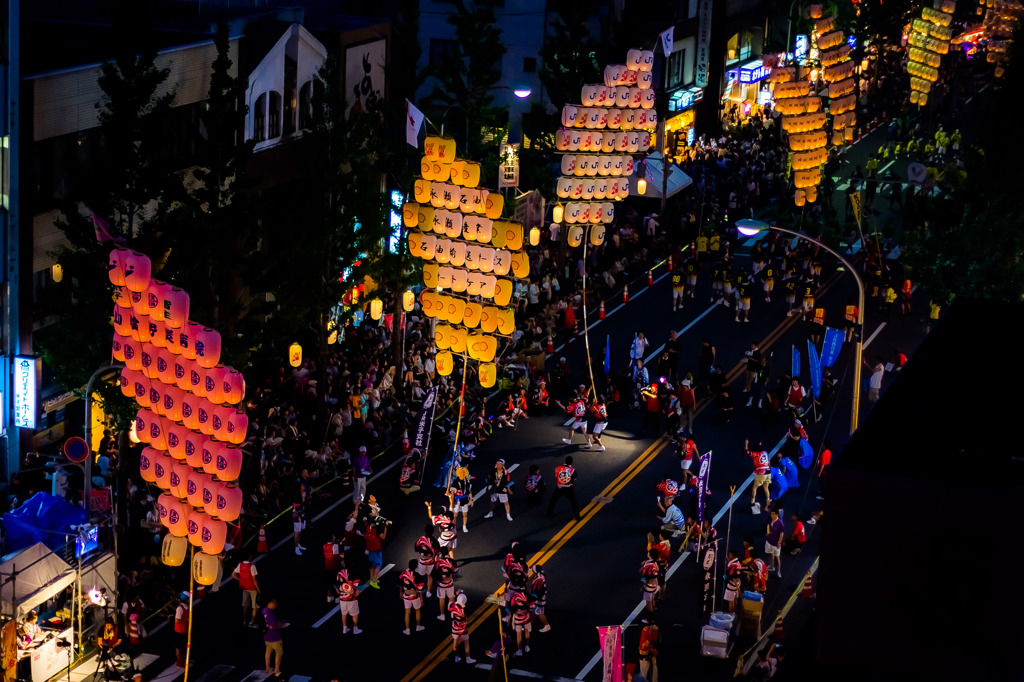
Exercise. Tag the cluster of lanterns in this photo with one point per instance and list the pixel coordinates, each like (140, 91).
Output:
(1000, 23)
(929, 41)
(188, 414)
(470, 251)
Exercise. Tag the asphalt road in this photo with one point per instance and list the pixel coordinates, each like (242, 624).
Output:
(592, 565)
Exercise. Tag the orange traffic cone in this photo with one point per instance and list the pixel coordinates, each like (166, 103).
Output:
(133, 630)
(600, 312)
(808, 590)
(650, 277)
(625, 294)
(405, 442)
(261, 544)
(670, 263)
(550, 348)
(778, 632)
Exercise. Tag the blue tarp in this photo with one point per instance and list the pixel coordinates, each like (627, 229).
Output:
(43, 518)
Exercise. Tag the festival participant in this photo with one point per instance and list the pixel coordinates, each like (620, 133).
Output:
(599, 417)
(515, 570)
(678, 289)
(762, 476)
(649, 572)
(521, 617)
(691, 277)
(460, 631)
(332, 564)
(565, 480)
(461, 495)
(444, 577)
(744, 288)
(499, 486)
(539, 596)
(427, 548)
(348, 602)
(577, 409)
(444, 522)
(245, 573)
(733, 573)
(534, 484)
(410, 585)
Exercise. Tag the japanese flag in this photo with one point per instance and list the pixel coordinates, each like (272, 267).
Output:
(413, 121)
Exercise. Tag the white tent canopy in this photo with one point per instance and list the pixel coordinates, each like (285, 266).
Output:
(30, 577)
(677, 179)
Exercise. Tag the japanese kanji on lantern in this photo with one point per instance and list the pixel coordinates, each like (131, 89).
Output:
(472, 257)
(188, 411)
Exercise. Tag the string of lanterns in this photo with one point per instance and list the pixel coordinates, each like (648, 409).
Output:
(456, 227)
(187, 416)
(1000, 24)
(928, 42)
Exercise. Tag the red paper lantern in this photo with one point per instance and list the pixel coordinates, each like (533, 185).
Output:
(190, 411)
(154, 296)
(194, 444)
(162, 464)
(117, 349)
(142, 420)
(221, 415)
(196, 379)
(238, 427)
(195, 522)
(149, 363)
(213, 383)
(123, 297)
(176, 307)
(228, 462)
(176, 436)
(233, 385)
(204, 418)
(137, 271)
(132, 354)
(121, 319)
(209, 456)
(139, 326)
(181, 369)
(173, 397)
(158, 433)
(215, 533)
(228, 502)
(116, 266)
(165, 367)
(209, 494)
(207, 347)
(156, 396)
(159, 333)
(177, 518)
(127, 382)
(140, 386)
(140, 302)
(183, 471)
(194, 489)
(176, 483)
(146, 460)
(187, 339)
(163, 503)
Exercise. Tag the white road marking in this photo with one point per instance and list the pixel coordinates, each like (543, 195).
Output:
(873, 335)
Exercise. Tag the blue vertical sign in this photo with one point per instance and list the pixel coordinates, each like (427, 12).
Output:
(796, 363)
(831, 347)
(815, 365)
(702, 485)
(26, 397)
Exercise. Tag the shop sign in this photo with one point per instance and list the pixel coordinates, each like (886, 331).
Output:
(703, 43)
(801, 47)
(26, 398)
(508, 175)
(752, 72)
(685, 98)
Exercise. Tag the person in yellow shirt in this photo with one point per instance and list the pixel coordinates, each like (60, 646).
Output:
(871, 166)
(889, 299)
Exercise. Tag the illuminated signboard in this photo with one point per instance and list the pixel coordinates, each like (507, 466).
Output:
(752, 72)
(396, 221)
(801, 47)
(685, 98)
(26, 398)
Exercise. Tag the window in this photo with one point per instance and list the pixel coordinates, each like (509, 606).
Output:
(306, 105)
(441, 50)
(676, 72)
(273, 115)
(529, 65)
(290, 94)
(259, 119)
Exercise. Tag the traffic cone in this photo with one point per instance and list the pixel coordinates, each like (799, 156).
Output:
(261, 544)
(550, 348)
(600, 312)
(860, 133)
(670, 263)
(650, 277)
(405, 442)
(808, 590)
(625, 294)
(133, 630)
(778, 632)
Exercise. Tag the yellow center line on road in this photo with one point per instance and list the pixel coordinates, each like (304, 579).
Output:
(484, 611)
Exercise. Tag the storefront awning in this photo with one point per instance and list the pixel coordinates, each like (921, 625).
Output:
(30, 577)
(677, 179)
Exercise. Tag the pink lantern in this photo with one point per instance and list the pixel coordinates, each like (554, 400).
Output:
(176, 436)
(140, 388)
(194, 444)
(137, 270)
(180, 470)
(175, 483)
(228, 503)
(196, 380)
(127, 382)
(154, 297)
(187, 339)
(158, 433)
(194, 488)
(176, 307)
(149, 363)
(221, 415)
(228, 463)
(162, 470)
(123, 297)
(140, 302)
(238, 427)
(173, 397)
(233, 387)
(132, 354)
(118, 348)
(177, 518)
(182, 368)
(142, 419)
(205, 412)
(207, 347)
(162, 506)
(190, 411)
(171, 341)
(141, 328)
(209, 456)
(215, 533)
(159, 333)
(213, 383)
(116, 266)
(156, 397)
(122, 321)
(146, 461)
(196, 519)
(165, 366)
(210, 494)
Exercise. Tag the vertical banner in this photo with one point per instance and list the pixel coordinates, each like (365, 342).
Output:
(508, 171)
(364, 75)
(707, 570)
(796, 363)
(702, 485)
(831, 347)
(815, 365)
(667, 40)
(855, 205)
(703, 44)
(415, 461)
(611, 653)
(26, 395)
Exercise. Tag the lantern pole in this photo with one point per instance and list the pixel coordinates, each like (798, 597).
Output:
(191, 592)
(87, 483)
(586, 327)
(458, 423)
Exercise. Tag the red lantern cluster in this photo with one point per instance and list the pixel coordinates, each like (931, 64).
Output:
(188, 407)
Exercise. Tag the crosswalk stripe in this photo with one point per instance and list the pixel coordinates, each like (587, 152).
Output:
(217, 672)
(173, 672)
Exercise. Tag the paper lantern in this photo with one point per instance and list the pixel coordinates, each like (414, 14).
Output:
(194, 491)
(161, 506)
(173, 550)
(165, 367)
(488, 320)
(117, 349)
(233, 386)
(194, 524)
(502, 262)
(228, 504)
(459, 278)
(534, 236)
(140, 300)
(494, 205)
(441, 247)
(215, 533)
(176, 435)
(488, 374)
(140, 389)
(799, 197)
(178, 478)
(156, 396)
(206, 346)
(557, 213)
(471, 174)
(444, 363)
(376, 308)
(158, 432)
(195, 444)
(597, 235)
(457, 340)
(116, 266)
(441, 336)
(137, 270)
(162, 464)
(574, 236)
(147, 355)
(482, 347)
(122, 298)
(506, 321)
(295, 355)
(408, 301)
(421, 191)
(209, 493)
(143, 417)
(485, 260)
(487, 285)
(127, 382)
(204, 416)
(228, 463)
(194, 379)
(237, 427)
(146, 461)
(521, 264)
(173, 398)
(132, 354)
(410, 211)
(205, 567)
(503, 292)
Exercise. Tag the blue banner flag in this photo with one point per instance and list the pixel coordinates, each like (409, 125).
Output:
(796, 363)
(411, 476)
(607, 354)
(831, 347)
(702, 485)
(815, 365)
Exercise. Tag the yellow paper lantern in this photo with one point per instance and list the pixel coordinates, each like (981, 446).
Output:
(502, 262)
(557, 213)
(503, 292)
(205, 568)
(494, 204)
(441, 336)
(431, 146)
(454, 309)
(376, 308)
(429, 302)
(641, 186)
(444, 363)
(173, 550)
(488, 321)
(521, 265)
(799, 197)
(408, 300)
(481, 347)
(506, 321)
(471, 315)
(488, 374)
(295, 355)
(430, 275)
(596, 235)
(575, 235)
(457, 340)
(534, 236)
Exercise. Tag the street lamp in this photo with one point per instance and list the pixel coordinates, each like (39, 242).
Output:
(751, 228)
